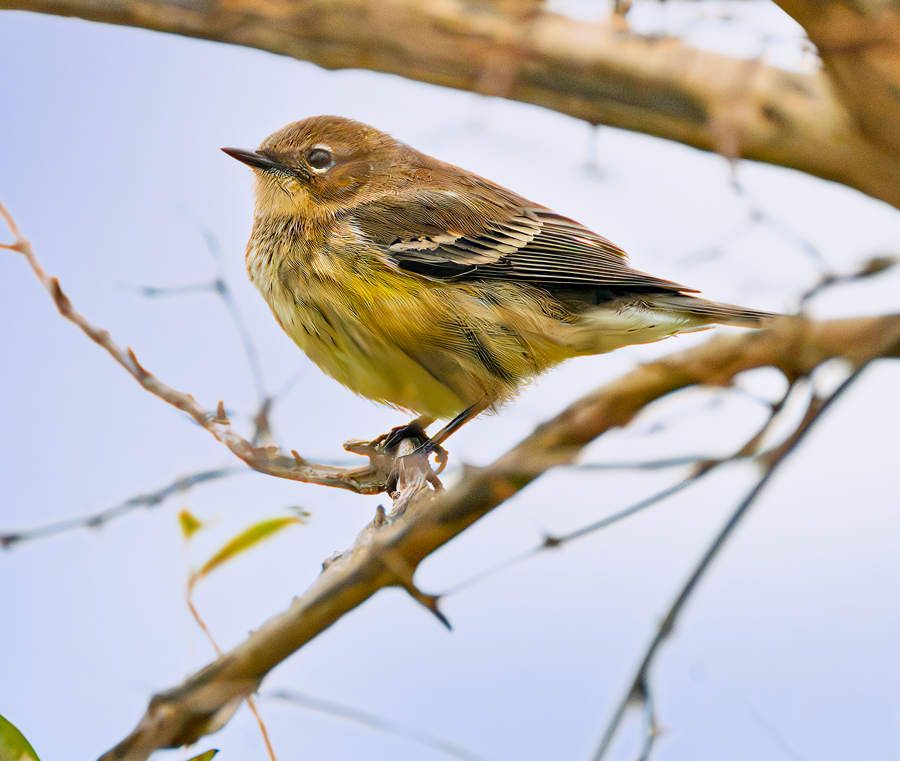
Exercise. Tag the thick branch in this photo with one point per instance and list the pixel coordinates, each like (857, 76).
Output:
(390, 549)
(860, 46)
(598, 72)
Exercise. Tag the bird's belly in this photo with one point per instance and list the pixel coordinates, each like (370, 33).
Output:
(365, 362)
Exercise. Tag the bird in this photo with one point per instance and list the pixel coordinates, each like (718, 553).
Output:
(423, 286)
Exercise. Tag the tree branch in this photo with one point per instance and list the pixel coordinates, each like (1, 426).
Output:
(640, 692)
(96, 520)
(859, 43)
(833, 124)
(371, 479)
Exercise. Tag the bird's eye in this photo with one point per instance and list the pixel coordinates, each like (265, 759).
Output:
(319, 158)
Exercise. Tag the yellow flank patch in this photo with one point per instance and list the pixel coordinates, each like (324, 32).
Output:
(429, 347)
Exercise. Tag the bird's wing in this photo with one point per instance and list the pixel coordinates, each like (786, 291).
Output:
(445, 235)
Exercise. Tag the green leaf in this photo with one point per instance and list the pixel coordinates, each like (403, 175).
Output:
(205, 756)
(13, 746)
(190, 525)
(244, 541)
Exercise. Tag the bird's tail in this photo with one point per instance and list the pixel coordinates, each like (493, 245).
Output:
(651, 317)
(710, 312)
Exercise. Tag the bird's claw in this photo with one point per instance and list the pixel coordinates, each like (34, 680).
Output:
(422, 445)
(412, 430)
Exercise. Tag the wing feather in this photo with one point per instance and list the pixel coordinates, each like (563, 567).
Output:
(495, 234)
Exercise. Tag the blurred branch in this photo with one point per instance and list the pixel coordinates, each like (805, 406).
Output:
(760, 216)
(389, 550)
(859, 43)
(553, 542)
(219, 287)
(98, 519)
(869, 268)
(702, 467)
(841, 123)
(371, 479)
(239, 544)
(376, 722)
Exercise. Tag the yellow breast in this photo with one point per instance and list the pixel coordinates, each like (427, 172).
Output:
(431, 348)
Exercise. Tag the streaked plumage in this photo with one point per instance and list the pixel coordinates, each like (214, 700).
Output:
(426, 287)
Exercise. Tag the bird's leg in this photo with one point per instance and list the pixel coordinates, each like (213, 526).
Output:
(433, 445)
(416, 430)
(458, 422)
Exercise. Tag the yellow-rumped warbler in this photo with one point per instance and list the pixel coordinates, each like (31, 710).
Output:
(423, 286)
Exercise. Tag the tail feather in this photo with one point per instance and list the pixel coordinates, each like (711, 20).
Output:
(652, 317)
(713, 311)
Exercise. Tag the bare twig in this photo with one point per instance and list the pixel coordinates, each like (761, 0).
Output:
(332, 708)
(553, 542)
(365, 480)
(759, 216)
(702, 467)
(224, 293)
(663, 464)
(640, 691)
(869, 268)
(219, 287)
(98, 519)
(251, 704)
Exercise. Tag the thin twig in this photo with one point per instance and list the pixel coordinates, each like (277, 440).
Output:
(553, 542)
(666, 463)
(219, 287)
(760, 216)
(376, 722)
(251, 704)
(869, 268)
(639, 691)
(703, 466)
(369, 479)
(148, 499)
(237, 318)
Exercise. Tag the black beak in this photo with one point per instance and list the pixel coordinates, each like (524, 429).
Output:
(256, 159)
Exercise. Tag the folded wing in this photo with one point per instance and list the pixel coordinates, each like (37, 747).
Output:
(443, 235)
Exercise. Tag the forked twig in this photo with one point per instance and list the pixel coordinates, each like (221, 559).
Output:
(370, 479)
(640, 691)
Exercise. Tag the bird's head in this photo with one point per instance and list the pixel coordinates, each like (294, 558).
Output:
(321, 164)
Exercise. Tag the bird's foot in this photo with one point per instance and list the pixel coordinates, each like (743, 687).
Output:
(412, 430)
(422, 444)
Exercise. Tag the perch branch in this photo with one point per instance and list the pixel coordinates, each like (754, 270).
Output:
(370, 479)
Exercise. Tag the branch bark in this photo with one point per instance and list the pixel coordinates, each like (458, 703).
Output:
(841, 123)
(859, 43)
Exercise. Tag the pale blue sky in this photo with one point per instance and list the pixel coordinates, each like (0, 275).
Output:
(109, 158)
